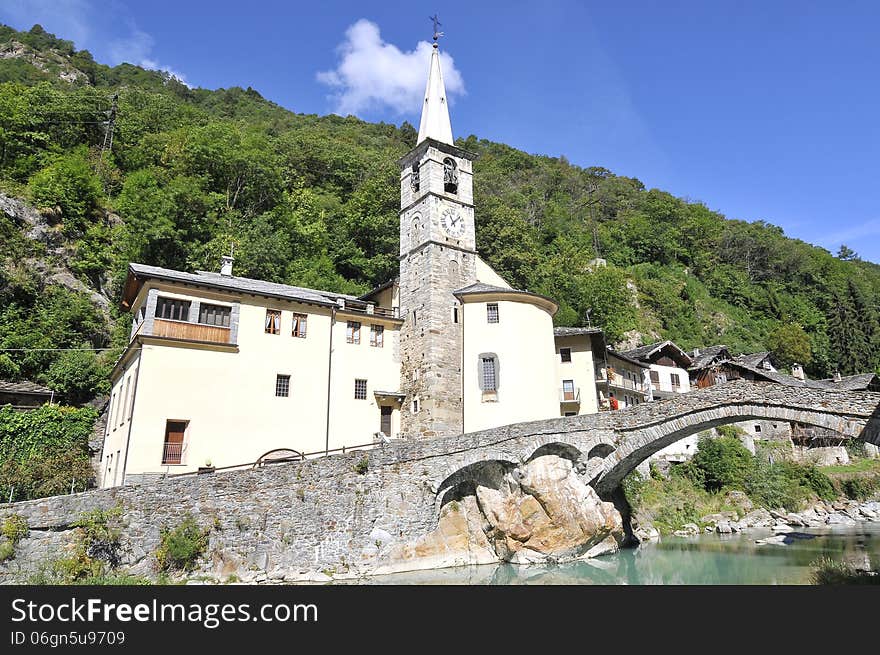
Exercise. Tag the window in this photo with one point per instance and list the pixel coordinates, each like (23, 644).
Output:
(565, 354)
(414, 178)
(172, 452)
(353, 332)
(455, 313)
(214, 315)
(124, 403)
(450, 175)
(568, 390)
(282, 385)
(492, 312)
(377, 336)
(570, 414)
(655, 378)
(172, 310)
(757, 428)
(360, 389)
(273, 321)
(299, 325)
(112, 410)
(415, 406)
(415, 317)
(675, 380)
(489, 373)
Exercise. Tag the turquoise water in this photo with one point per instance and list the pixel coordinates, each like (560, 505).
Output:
(708, 559)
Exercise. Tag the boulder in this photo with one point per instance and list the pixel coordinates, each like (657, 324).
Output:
(723, 527)
(839, 519)
(542, 511)
(759, 518)
(739, 499)
(688, 530)
(777, 540)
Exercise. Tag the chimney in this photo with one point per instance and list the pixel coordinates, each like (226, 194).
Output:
(797, 372)
(226, 265)
(696, 352)
(837, 377)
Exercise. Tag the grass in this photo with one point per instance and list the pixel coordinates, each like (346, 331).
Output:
(861, 465)
(829, 572)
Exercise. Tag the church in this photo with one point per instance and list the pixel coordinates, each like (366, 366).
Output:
(223, 371)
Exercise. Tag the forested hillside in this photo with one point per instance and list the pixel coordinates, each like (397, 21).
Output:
(312, 200)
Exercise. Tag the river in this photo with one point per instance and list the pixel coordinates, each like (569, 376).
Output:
(707, 559)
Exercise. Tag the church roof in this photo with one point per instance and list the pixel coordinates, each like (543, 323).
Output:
(481, 288)
(435, 122)
(137, 273)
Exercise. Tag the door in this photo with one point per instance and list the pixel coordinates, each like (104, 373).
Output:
(568, 390)
(174, 434)
(385, 422)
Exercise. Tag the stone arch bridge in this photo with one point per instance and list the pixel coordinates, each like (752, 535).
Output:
(334, 511)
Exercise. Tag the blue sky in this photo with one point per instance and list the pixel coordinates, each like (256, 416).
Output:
(761, 110)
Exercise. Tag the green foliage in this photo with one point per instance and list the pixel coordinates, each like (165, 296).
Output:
(44, 450)
(181, 547)
(96, 549)
(790, 344)
(13, 529)
(724, 462)
(860, 488)
(78, 375)
(68, 183)
(362, 466)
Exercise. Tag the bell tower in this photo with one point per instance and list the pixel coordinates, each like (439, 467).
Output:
(437, 257)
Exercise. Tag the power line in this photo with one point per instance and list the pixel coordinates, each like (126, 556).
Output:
(27, 350)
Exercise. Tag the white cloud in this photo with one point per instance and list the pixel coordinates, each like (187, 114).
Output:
(137, 49)
(373, 74)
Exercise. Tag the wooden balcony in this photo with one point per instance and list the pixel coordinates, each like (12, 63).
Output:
(190, 331)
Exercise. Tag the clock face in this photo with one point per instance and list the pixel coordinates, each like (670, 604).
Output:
(452, 222)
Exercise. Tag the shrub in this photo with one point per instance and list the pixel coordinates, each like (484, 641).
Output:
(827, 571)
(810, 477)
(729, 431)
(96, 548)
(68, 183)
(859, 488)
(770, 485)
(181, 547)
(15, 528)
(724, 462)
(362, 466)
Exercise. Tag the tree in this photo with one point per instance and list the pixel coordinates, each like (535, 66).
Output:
(790, 344)
(68, 183)
(847, 254)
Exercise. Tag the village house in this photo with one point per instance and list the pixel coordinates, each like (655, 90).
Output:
(668, 368)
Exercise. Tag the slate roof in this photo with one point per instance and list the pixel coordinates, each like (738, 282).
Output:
(24, 387)
(239, 284)
(482, 287)
(642, 353)
(752, 359)
(575, 331)
(859, 382)
(707, 356)
(627, 358)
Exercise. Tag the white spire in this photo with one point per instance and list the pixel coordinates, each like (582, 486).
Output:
(435, 112)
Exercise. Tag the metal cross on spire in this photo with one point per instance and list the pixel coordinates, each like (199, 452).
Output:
(436, 20)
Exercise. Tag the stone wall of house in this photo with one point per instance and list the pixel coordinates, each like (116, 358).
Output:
(345, 512)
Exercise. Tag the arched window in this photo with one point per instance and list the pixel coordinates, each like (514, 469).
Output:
(450, 175)
(414, 178)
(452, 271)
(415, 234)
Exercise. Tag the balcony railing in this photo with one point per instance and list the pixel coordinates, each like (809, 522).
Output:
(191, 331)
(570, 395)
(372, 310)
(622, 383)
(172, 453)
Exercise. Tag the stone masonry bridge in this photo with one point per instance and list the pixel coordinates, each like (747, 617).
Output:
(329, 513)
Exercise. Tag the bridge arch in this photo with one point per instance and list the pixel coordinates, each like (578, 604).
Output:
(639, 444)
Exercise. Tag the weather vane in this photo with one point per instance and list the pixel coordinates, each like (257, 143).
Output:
(436, 20)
